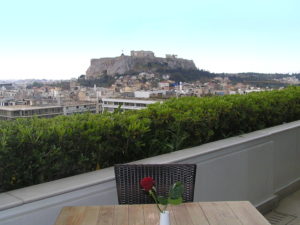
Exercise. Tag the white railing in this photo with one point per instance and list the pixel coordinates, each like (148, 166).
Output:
(255, 167)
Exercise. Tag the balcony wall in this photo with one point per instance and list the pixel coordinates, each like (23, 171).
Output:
(257, 166)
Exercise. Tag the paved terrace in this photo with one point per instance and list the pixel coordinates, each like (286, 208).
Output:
(287, 212)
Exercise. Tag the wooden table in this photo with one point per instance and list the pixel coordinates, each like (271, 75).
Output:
(196, 213)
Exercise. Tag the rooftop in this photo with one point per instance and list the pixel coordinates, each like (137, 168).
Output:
(25, 107)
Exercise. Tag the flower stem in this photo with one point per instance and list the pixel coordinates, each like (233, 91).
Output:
(165, 207)
(155, 199)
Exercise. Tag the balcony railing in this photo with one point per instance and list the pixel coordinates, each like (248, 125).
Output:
(260, 167)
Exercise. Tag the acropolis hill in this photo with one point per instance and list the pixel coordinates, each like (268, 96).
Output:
(138, 61)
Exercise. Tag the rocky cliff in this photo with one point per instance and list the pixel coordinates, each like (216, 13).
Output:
(136, 64)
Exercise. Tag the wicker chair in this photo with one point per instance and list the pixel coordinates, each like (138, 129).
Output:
(128, 178)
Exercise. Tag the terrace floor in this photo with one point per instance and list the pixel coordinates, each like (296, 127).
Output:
(287, 212)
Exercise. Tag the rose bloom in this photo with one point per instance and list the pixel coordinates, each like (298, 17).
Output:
(147, 183)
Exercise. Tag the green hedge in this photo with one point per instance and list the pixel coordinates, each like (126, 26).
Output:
(36, 150)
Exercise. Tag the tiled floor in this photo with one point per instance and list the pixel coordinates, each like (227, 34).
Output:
(287, 212)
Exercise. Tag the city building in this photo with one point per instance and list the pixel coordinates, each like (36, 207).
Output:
(12, 102)
(25, 111)
(164, 85)
(153, 94)
(6, 86)
(110, 104)
(78, 108)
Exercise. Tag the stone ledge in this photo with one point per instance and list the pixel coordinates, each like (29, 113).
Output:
(8, 201)
(53, 188)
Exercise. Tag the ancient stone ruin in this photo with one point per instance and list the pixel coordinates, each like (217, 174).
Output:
(138, 61)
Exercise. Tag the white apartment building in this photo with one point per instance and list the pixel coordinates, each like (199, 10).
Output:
(149, 94)
(110, 104)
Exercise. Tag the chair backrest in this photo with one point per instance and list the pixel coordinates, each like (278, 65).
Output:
(128, 178)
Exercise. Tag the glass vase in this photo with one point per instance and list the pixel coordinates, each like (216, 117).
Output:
(164, 218)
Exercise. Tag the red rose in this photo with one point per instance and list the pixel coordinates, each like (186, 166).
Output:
(147, 183)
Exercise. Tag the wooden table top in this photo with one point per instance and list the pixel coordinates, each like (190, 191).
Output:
(195, 213)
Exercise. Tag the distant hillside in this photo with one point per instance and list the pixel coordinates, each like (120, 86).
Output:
(260, 79)
(187, 75)
(104, 71)
(253, 79)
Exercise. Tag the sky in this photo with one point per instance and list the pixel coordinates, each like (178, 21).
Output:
(56, 39)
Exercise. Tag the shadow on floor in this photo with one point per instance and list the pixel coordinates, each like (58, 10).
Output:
(287, 212)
